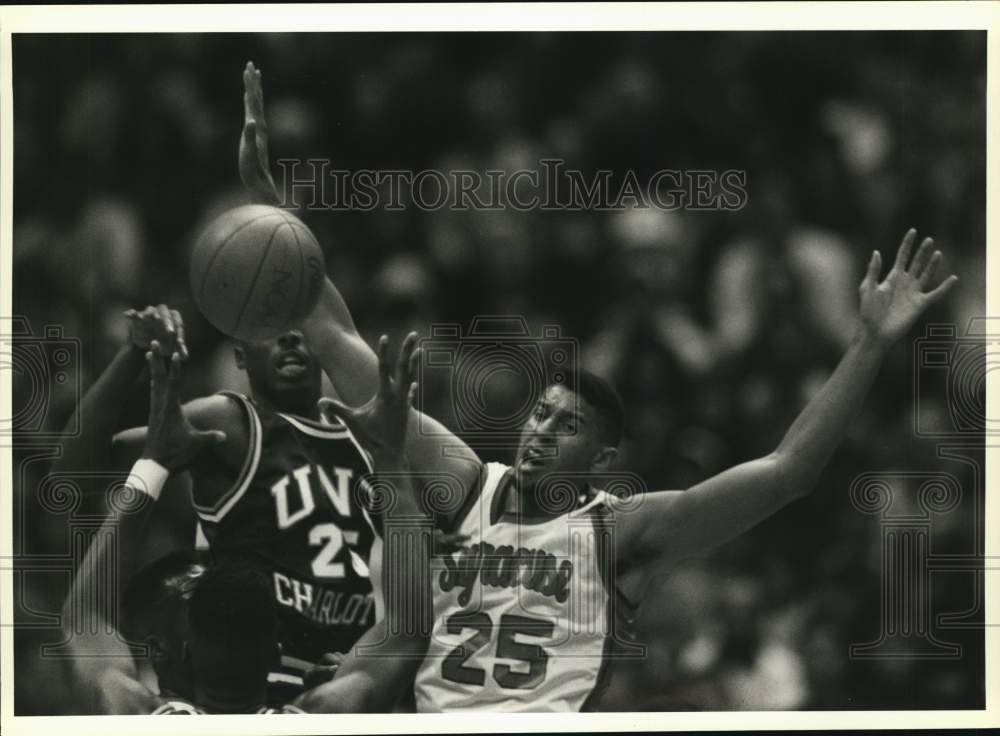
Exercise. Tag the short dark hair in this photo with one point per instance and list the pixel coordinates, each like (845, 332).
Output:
(601, 395)
(152, 590)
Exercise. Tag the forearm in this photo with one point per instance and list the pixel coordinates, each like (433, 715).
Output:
(108, 565)
(819, 428)
(407, 535)
(348, 361)
(99, 411)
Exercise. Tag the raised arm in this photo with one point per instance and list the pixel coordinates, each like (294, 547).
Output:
(348, 361)
(100, 408)
(671, 526)
(383, 662)
(101, 660)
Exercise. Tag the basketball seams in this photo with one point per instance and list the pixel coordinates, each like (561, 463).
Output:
(218, 251)
(260, 267)
(302, 266)
(304, 281)
(227, 284)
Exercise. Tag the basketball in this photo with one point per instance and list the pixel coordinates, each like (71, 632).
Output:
(256, 271)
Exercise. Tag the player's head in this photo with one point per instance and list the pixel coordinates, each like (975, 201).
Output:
(154, 611)
(232, 639)
(575, 428)
(282, 370)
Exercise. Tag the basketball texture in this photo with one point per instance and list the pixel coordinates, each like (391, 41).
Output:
(256, 271)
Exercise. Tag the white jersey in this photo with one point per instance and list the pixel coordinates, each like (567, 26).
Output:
(523, 614)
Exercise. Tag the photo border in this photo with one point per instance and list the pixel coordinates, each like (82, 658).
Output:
(778, 16)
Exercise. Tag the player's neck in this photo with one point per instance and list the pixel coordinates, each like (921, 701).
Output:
(300, 403)
(522, 499)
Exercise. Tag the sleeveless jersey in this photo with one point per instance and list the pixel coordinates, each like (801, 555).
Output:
(294, 512)
(524, 614)
(177, 707)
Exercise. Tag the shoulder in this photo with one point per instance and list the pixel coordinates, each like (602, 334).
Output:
(481, 489)
(231, 413)
(215, 411)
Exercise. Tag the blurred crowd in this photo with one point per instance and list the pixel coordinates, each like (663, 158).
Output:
(716, 327)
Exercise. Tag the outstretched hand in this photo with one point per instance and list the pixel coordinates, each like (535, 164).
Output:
(889, 308)
(158, 324)
(170, 439)
(381, 422)
(254, 165)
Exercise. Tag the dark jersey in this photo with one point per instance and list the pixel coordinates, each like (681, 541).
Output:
(295, 513)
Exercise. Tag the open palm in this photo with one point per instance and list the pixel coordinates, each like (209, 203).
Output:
(253, 159)
(889, 308)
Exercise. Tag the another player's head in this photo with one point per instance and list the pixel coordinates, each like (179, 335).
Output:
(282, 371)
(575, 428)
(232, 639)
(154, 610)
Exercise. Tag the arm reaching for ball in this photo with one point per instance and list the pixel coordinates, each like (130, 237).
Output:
(675, 525)
(329, 329)
(255, 170)
(385, 659)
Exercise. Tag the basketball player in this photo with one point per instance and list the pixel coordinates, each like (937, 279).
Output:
(277, 492)
(215, 633)
(516, 625)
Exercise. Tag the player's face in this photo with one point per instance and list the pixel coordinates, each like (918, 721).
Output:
(280, 365)
(562, 436)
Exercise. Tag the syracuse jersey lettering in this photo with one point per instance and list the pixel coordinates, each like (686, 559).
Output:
(523, 615)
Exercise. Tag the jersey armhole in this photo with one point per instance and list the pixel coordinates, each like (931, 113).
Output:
(451, 524)
(222, 505)
(621, 612)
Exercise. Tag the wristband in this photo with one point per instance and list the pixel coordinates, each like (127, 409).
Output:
(148, 476)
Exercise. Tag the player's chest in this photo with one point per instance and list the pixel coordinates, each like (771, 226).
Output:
(306, 481)
(510, 565)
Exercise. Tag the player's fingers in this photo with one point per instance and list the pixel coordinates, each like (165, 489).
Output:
(903, 254)
(174, 374)
(923, 255)
(157, 371)
(167, 320)
(249, 77)
(943, 288)
(411, 395)
(874, 269)
(414, 363)
(928, 273)
(250, 135)
(384, 371)
(403, 359)
(179, 325)
(256, 95)
(331, 659)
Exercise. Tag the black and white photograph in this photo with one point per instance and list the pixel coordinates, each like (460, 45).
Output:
(493, 363)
